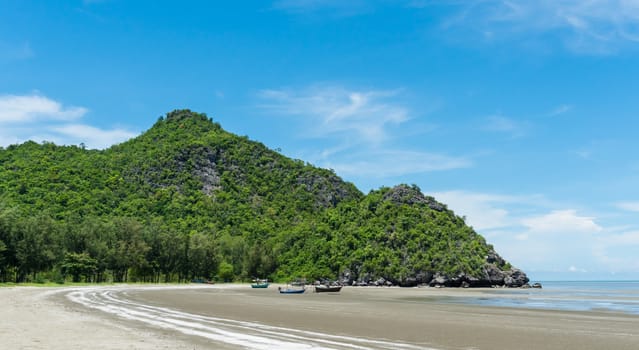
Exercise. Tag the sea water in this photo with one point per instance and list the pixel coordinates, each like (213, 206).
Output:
(619, 296)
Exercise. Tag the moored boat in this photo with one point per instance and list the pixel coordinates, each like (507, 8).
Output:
(257, 283)
(291, 290)
(324, 289)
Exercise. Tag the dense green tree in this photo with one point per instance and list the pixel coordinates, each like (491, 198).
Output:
(186, 200)
(36, 246)
(202, 256)
(3, 249)
(225, 271)
(79, 265)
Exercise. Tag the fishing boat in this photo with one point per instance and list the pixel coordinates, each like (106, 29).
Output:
(291, 290)
(258, 283)
(327, 289)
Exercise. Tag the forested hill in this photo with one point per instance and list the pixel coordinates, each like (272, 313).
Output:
(187, 200)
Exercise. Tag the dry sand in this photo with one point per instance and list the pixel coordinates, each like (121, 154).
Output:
(43, 318)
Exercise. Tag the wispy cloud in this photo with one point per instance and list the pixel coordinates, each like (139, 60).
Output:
(91, 2)
(594, 26)
(560, 110)
(584, 154)
(573, 268)
(381, 164)
(498, 123)
(40, 118)
(15, 52)
(355, 126)
(583, 27)
(337, 8)
(629, 206)
(365, 114)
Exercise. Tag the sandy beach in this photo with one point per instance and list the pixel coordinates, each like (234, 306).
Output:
(42, 318)
(237, 317)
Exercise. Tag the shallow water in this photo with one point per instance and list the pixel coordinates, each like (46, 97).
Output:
(620, 296)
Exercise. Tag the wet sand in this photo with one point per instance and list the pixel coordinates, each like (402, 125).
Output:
(413, 318)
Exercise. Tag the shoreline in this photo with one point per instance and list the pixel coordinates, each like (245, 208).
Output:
(44, 318)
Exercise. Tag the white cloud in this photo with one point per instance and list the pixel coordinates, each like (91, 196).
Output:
(594, 26)
(39, 118)
(28, 108)
(336, 110)
(629, 206)
(91, 136)
(530, 234)
(564, 238)
(560, 221)
(483, 211)
(618, 251)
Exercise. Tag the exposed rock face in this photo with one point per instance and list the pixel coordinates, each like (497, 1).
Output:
(419, 278)
(496, 276)
(329, 190)
(205, 168)
(346, 278)
(494, 258)
(439, 280)
(404, 194)
(515, 278)
(202, 162)
(493, 277)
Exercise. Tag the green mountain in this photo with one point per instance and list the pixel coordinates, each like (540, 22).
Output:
(187, 200)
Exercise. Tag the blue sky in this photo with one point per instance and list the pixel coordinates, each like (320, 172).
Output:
(520, 115)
